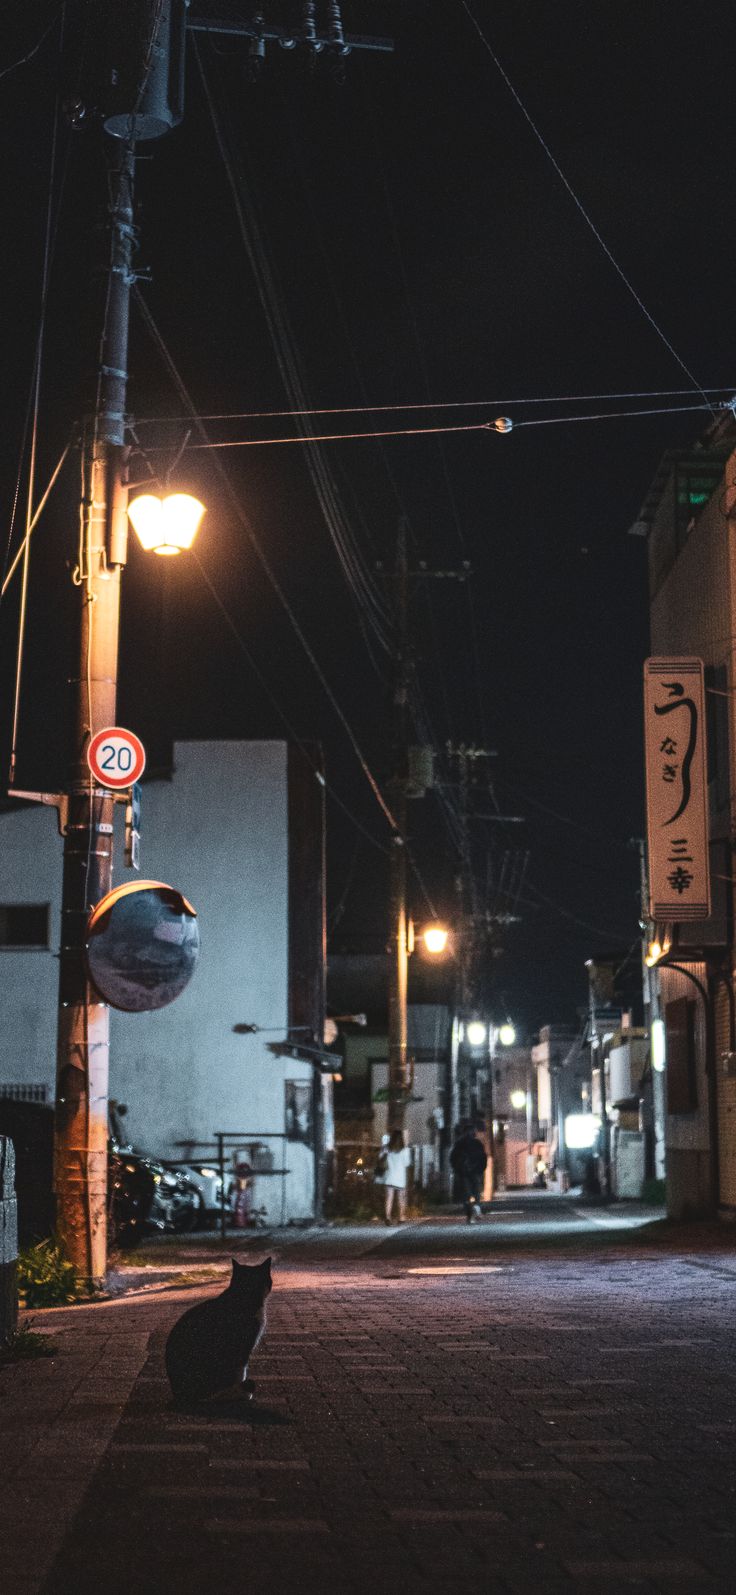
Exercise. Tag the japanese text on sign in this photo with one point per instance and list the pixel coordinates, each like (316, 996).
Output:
(677, 793)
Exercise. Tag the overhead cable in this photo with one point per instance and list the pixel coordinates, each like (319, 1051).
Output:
(437, 431)
(359, 579)
(262, 558)
(35, 518)
(436, 404)
(296, 739)
(587, 218)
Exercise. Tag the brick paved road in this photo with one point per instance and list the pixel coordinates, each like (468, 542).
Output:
(439, 1414)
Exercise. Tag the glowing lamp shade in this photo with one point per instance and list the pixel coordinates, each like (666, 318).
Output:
(435, 938)
(518, 1099)
(476, 1033)
(168, 525)
(581, 1131)
(507, 1035)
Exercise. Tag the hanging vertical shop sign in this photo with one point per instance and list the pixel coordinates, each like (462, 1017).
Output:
(677, 791)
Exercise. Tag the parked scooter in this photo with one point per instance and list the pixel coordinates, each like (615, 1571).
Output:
(145, 1196)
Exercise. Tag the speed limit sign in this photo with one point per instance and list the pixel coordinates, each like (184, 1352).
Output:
(116, 757)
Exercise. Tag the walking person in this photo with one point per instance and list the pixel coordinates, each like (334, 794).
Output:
(468, 1162)
(395, 1178)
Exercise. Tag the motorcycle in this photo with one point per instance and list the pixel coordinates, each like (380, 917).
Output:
(145, 1196)
(177, 1205)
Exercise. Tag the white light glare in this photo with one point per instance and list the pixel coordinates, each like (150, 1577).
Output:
(659, 1050)
(165, 526)
(476, 1032)
(507, 1035)
(581, 1131)
(518, 1099)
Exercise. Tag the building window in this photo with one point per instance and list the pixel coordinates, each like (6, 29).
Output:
(24, 924)
(682, 1081)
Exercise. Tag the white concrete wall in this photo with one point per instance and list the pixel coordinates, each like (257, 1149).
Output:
(30, 872)
(219, 833)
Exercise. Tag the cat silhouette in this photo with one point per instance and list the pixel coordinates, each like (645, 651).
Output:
(208, 1348)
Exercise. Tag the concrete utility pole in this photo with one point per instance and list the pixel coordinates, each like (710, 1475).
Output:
(398, 1080)
(130, 76)
(84, 1021)
(133, 53)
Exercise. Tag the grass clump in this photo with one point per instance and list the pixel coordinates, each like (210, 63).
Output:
(46, 1278)
(26, 1345)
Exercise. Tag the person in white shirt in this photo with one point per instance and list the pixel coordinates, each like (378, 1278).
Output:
(395, 1177)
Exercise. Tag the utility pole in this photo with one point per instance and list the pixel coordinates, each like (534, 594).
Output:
(130, 77)
(84, 1021)
(398, 1082)
(137, 61)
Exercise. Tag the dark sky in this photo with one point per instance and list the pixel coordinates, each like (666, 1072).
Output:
(412, 234)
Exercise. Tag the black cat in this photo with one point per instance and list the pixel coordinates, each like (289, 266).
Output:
(208, 1349)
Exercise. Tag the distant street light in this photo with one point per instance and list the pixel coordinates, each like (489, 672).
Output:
(507, 1034)
(518, 1099)
(435, 938)
(475, 1032)
(168, 525)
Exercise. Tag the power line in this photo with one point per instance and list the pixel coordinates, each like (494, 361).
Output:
(359, 579)
(24, 59)
(261, 556)
(436, 404)
(502, 425)
(587, 218)
(32, 524)
(237, 634)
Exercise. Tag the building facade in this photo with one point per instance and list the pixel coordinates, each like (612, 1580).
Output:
(688, 517)
(239, 830)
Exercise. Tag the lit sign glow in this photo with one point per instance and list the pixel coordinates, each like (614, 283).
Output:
(581, 1131)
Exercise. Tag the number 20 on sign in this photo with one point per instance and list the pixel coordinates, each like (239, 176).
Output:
(116, 757)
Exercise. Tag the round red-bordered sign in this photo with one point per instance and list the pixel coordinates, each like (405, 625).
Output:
(116, 757)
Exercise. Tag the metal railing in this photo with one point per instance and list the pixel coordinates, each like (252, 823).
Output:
(224, 1144)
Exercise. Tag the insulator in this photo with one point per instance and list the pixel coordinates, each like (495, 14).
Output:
(309, 25)
(257, 49)
(334, 28)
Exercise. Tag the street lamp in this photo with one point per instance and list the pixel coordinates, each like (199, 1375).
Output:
(165, 525)
(435, 938)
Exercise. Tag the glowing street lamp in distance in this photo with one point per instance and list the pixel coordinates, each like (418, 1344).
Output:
(507, 1034)
(581, 1131)
(475, 1032)
(518, 1099)
(165, 525)
(435, 938)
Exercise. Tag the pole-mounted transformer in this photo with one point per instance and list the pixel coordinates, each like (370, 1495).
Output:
(129, 72)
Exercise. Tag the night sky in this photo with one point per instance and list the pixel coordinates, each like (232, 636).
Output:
(415, 244)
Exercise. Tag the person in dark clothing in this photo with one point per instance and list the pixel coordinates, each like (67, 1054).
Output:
(468, 1163)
